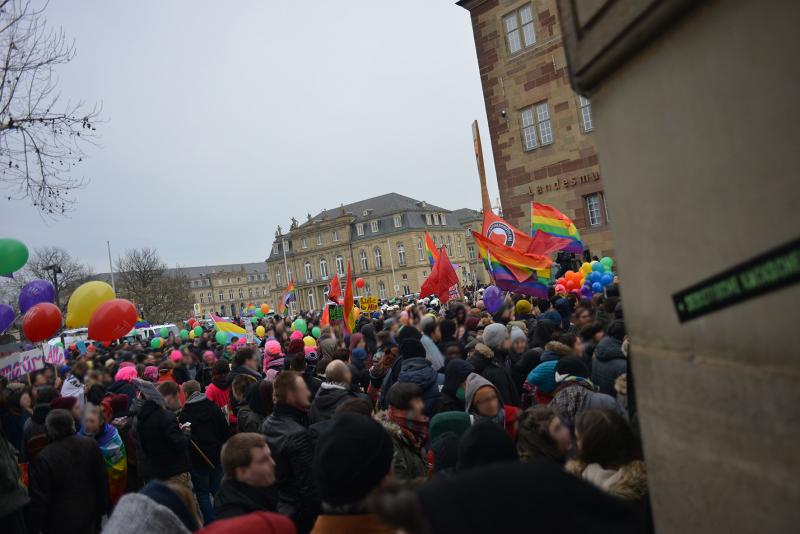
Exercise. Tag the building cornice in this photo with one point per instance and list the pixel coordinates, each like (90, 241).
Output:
(469, 5)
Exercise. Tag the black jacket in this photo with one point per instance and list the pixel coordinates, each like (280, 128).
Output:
(164, 445)
(521, 364)
(328, 398)
(68, 487)
(237, 498)
(209, 429)
(239, 370)
(360, 375)
(491, 365)
(182, 374)
(608, 364)
(292, 446)
(124, 387)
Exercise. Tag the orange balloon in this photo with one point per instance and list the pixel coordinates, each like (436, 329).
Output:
(265, 308)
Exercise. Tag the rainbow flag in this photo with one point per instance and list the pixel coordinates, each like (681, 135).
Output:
(430, 249)
(226, 326)
(288, 297)
(513, 270)
(551, 221)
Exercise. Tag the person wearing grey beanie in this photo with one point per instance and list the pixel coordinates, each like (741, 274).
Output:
(495, 335)
(489, 359)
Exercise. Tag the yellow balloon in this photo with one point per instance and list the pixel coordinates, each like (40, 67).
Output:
(309, 341)
(260, 331)
(85, 300)
(191, 334)
(586, 268)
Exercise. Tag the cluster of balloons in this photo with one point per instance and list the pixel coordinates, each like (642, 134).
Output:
(591, 278)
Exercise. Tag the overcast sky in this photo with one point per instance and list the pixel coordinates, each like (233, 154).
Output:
(222, 123)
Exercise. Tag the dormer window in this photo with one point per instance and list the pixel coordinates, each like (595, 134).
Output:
(374, 226)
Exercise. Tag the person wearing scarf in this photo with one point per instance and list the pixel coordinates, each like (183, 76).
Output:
(111, 447)
(408, 427)
(482, 401)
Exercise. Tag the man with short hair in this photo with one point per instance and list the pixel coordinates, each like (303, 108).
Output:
(244, 364)
(249, 471)
(334, 391)
(68, 482)
(292, 446)
(346, 477)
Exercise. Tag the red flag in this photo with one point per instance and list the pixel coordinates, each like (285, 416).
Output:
(349, 317)
(441, 279)
(336, 289)
(325, 320)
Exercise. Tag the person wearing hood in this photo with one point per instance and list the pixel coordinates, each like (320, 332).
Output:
(158, 507)
(209, 430)
(359, 370)
(431, 334)
(34, 433)
(414, 368)
(609, 360)
(407, 425)
(555, 350)
(575, 393)
(68, 485)
(564, 308)
(111, 447)
(609, 456)
(453, 389)
(334, 391)
(489, 360)
(258, 406)
(483, 402)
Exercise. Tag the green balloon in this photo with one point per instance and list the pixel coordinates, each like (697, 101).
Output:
(59, 344)
(198, 331)
(184, 334)
(221, 337)
(164, 332)
(254, 320)
(13, 255)
(316, 332)
(155, 343)
(607, 262)
(259, 314)
(300, 324)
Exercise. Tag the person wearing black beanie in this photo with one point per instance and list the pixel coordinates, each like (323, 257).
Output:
(352, 460)
(485, 443)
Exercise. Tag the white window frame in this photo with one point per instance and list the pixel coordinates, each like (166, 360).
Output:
(381, 290)
(449, 246)
(373, 226)
(308, 272)
(536, 127)
(442, 219)
(319, 240)
(585, 110)
(459, 250)
(340, 265)
(378, 255)
(277, 279)
(221, 296)
(360, 229)
(202, 299)
(428, 219)
(230, 294)
(363, 260)
(275, 248)
(210, 296)
(421, 250)
(401, 254)
(398, 221)
(471, 252)
(335, 235)
(241, 292)
(435, 219)
(310, 299)
(303, 243)
(518, 27)
(605, 208)
(594, 217)
(323, 268)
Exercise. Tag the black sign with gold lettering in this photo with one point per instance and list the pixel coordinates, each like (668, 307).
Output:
(772, 270)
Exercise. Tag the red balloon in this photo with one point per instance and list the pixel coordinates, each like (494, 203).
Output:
(560, 289)
(562, 281)
(570, 285)
(41, 322)
(112, 319)
(360, 283)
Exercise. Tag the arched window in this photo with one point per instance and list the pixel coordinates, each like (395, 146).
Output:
(381, 290)
(449, 248)
(323, 268)
(378, 258)
(459, 250)
(421, 250)
(277, 279)
(250, 292)
(230, 294)
(309, 274)
(401, 254)
(310, 299)
(340, 265)
(363, 257)
(210, 298)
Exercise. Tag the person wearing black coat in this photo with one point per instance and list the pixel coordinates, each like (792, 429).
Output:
(413, 367)
(209, 430)
(236, 498)
(68, 483)
(164, 444)
(609, 360)
(455, 374)
(123, 387)
(489, 360)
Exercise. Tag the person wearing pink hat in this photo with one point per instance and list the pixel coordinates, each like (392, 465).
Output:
(273, 356)
(122, 383)
(150, 373)
(296, 334)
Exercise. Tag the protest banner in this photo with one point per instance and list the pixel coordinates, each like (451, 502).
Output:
(336, 313)
(19, 364)
(368, 304)
(53, 354)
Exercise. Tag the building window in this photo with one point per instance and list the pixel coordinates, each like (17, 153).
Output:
(374, 226)
(593, 216)
(274, 248)
(405, 277)
(241, 293)
(258, 291)
(401, 254)
(605, 208)
(307, 269)
(381, 289)
(459, 250)
(471, 252)
(319, 240)
(378, 258)
(323, 268)
(221, 296)
(202, 299)
(420, 250)
(210, 297)
(303, 243)
(310, 299)
(363, 257)
(428, 219)
(367, 289)
(340, 265)
(536, 119)
(435, 219)
(398, 221)
(277, 279)
(335, 235)
(289, 276)
(230, 294)
(585, 108)
(229, 279)
(449, 247)
(519, 29)
(360, 229)
(442, 219)
(407, 290)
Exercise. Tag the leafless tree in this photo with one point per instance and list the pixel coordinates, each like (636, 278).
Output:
(162, 294)
(41, 138)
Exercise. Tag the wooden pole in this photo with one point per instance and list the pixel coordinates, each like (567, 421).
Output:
(476, 141)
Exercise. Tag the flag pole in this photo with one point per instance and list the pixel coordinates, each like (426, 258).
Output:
(476, 141)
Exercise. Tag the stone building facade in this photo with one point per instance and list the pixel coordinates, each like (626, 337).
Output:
(383, 238)
(226, 289)
(541, 130)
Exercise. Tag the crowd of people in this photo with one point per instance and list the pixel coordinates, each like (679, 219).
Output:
(424, 419)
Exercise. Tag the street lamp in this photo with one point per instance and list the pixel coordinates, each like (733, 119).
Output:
(56, 269)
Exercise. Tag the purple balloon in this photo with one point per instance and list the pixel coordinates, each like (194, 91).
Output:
(493, 299)
(6, 317)
(36, 292)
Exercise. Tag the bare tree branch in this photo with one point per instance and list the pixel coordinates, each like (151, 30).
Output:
(41, 139)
